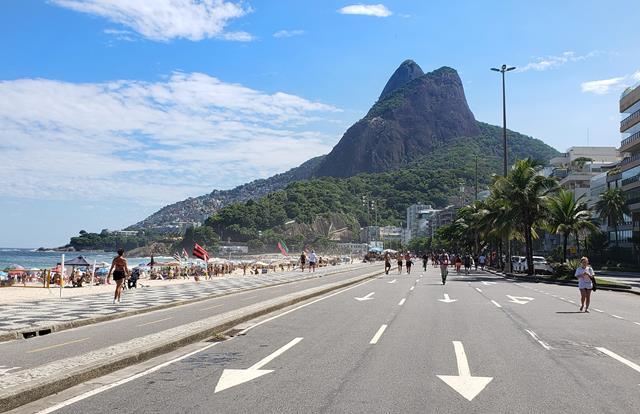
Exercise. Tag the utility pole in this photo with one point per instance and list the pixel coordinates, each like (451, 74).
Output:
(476, 181)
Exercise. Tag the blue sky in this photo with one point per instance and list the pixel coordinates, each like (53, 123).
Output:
(110, 109)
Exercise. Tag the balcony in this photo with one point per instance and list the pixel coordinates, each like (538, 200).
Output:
(630, 121)
(631, 159)
(630, 142)
(630, 180)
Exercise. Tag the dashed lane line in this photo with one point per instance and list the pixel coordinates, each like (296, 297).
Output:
(152, 322)
(479, 290)
(402, 302)
(598, 310)
(378, 334)
(541, 342)
(496, 303)
(617, 317)
(618, 358)
(412, 287)
(212, 307)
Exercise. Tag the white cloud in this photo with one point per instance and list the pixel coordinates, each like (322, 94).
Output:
(125, 35)
(378, 10)
(604, 86)
(162, 20)
(551, 62)
(288, 33)
(149, 142)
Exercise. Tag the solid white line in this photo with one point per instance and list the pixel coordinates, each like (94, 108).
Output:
(619, 358)
(412, 287)
(479, 290)
(122, 381)
(378, 334)
(152, 322)
(244, 331)
(496, 303)
(266, 360)
(617, 317)
(401, 302)
(534, 336)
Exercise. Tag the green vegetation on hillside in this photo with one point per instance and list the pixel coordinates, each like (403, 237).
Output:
(434, 179)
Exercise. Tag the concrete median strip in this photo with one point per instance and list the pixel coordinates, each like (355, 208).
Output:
(22, 387)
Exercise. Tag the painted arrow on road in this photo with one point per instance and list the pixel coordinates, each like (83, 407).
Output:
(393, 281)
(232, 377)
(466, 385)
(368, 297)
(521, 300)
(447, 299)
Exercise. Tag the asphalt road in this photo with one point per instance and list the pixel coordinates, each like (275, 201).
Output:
(23, 354)
(479, 344)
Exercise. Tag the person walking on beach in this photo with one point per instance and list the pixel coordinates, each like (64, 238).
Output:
(399, 263)
(387, 263)
(120, 270)
(303, 260)
(313, 259)
(586, 277)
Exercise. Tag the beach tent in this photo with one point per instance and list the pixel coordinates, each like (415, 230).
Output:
(79, 261)
(3, 275)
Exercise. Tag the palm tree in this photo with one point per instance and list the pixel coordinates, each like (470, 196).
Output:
(567, 215)
(525, 192)
(612, 206)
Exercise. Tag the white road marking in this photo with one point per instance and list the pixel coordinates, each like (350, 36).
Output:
(637, 323)
(4, 369)
(534, 336)
(417, 280)
(122, 381)
(393, 281)
(488, 283)
(46, 348)
(152, 322)
(367, 297)
(466, 385)
(212, 307)
(249, 298)
(447, 299)
(412, 287)
(617, 317)
(378, 334)
(521, 300)
(618, 358)
(496, 303)
(479, 290)
(401, 302)
(232, 377)
(244, 331)
(598, 310)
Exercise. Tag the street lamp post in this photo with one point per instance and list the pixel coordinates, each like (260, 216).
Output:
(504, 69)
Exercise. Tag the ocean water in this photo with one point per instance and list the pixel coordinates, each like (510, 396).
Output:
(28, 258)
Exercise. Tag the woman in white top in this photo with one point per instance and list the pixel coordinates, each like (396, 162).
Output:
(584, 273)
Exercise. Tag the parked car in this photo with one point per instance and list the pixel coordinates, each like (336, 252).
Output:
(540, 266)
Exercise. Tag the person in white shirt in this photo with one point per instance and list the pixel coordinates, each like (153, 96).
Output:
(312, 261)
(584, 273)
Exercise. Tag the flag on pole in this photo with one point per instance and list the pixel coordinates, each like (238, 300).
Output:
(200, 252)
(177, 256)
(283, 248)
(185, 254)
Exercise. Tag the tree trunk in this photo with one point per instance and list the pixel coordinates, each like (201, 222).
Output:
(578, 243)
(615, 228)
(564, 247)
(529, 249)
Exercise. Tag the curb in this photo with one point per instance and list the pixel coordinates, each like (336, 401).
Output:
(61, 326)
(558, 282)
(36, 383)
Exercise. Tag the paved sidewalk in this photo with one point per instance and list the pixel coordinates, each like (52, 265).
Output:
(42, 314)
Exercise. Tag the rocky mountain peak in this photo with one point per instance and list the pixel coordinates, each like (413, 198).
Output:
(406, 72)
